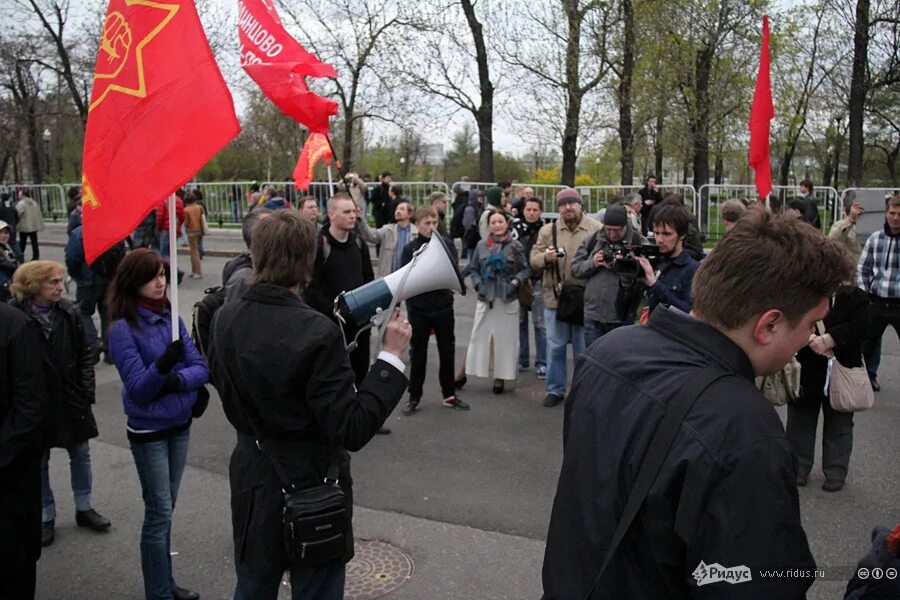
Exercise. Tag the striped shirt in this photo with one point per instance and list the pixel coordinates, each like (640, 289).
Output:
(878, 271)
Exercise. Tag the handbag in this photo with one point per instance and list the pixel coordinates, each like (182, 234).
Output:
(315, 521)
(526, 294)
(849, 388)
(569, 296)
(782, 387)
(204, 225)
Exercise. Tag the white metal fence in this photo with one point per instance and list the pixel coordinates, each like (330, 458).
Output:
(50, 196)
(712, 196)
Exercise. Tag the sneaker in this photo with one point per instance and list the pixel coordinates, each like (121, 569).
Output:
(541, 372)
(47, 533)
(92, 519)
(552, 400)
(454, 402)
(411, 406)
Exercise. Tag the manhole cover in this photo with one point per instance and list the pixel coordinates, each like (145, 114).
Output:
(377, 568)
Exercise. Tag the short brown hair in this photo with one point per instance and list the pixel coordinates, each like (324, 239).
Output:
(137, 269)
(768, 262)
(338, 196)
(27, 280)
(732, 210)
(674, 215)
(283, 249)
(893, 201)
(425, 211)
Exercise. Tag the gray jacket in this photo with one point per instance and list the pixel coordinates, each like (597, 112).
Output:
(482, 272)
(386, 235)
(602, 283)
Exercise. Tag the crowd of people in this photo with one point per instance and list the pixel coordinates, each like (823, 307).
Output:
(773, 287)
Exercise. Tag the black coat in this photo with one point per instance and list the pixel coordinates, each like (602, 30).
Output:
(68, 371)
(381, 205)
(848, 323)
(22, 397)
(270, 349)
(726, 492)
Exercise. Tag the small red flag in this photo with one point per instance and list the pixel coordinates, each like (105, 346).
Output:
(761, 115)
(159, 111)
(280, 65)
(315, 149)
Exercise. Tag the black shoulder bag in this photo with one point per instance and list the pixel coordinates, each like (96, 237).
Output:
(569, 296)
(662, 441)
(316, 520)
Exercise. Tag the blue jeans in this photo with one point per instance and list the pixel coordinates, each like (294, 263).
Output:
(559, 336)
(594, 330)
(873, 361)
(80, 470)
(540, 334)
(92, 298)
(164, 243)
(307, 583)
(159, 465)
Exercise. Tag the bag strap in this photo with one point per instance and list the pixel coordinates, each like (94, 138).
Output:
(556, 272)
(662, 441)
(263, 444)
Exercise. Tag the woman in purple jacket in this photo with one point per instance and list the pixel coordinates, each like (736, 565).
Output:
(160, 383)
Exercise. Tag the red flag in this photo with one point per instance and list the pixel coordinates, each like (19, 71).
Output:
(280, 65)
(315, 149)
(159, 111)
(761, 115)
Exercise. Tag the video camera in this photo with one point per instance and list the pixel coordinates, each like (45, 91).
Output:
(622, 257)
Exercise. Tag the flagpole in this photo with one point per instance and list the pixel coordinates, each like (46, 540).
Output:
(330, 182)
(173, 266)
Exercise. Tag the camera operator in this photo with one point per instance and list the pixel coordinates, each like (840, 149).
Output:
(595, 261)
(670, 285)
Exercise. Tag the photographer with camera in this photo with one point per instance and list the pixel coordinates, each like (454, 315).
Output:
(602, 260)
(552, 254)
(671, 284)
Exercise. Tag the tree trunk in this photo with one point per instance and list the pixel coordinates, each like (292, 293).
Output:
(700, 124)
(484, 117)
(784, 169)
(858, 91)
(573, 92)
(658, 149)
(719, 174)
(349, 123)
(626, 130)
(838, 142)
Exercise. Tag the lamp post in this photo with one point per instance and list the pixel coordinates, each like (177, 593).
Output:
(807, 163)
(47, 135)
(403, 166)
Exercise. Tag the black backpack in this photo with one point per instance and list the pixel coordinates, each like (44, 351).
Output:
(106, 264)
(203, 313)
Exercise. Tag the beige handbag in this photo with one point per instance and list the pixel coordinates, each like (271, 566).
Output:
(849, 389)
(782, 387)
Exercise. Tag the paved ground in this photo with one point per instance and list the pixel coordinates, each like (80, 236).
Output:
(467, 495)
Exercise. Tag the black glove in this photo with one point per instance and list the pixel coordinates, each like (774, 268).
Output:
(202, 402)
(174, 353)
(171, 385)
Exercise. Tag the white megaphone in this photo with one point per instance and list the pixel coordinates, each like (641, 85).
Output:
(430, 269)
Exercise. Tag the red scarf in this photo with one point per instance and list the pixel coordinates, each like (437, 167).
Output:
(157, 305)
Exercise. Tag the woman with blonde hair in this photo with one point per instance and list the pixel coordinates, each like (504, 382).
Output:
(67, 361)
(497, 269)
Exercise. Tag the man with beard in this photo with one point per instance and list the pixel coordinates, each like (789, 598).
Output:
(556, 245)
(670, 285)
(526, 229)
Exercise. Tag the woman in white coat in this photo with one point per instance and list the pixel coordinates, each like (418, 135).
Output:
(496, 270)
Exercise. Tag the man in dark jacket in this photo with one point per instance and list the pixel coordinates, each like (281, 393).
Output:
(303, 408)
(810, 206)
(21, 402)
(650, 197)
(725, 492)
(431, 311)
(525, 228)
(381, 201)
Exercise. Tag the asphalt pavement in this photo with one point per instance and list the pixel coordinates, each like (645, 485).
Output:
(466, 495)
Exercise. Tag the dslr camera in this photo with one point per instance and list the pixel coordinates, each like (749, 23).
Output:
(622, 257)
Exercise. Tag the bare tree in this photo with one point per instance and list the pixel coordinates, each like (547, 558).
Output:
(454, 67)
(352, 35)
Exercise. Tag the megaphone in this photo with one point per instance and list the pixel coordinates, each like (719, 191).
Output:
(430, 269)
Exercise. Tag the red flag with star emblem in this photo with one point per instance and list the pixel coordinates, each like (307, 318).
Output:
(159, 111)
(315, 149)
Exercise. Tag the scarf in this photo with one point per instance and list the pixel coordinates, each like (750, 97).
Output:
(158, 306)
(495, 265)
(45, 316)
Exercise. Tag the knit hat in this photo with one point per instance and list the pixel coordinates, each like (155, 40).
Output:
(494, 195)
(568, 195)
(615, 216)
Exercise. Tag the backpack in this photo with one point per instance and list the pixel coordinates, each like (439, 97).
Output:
(202, 316)
(106, 264)
(459, 207)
